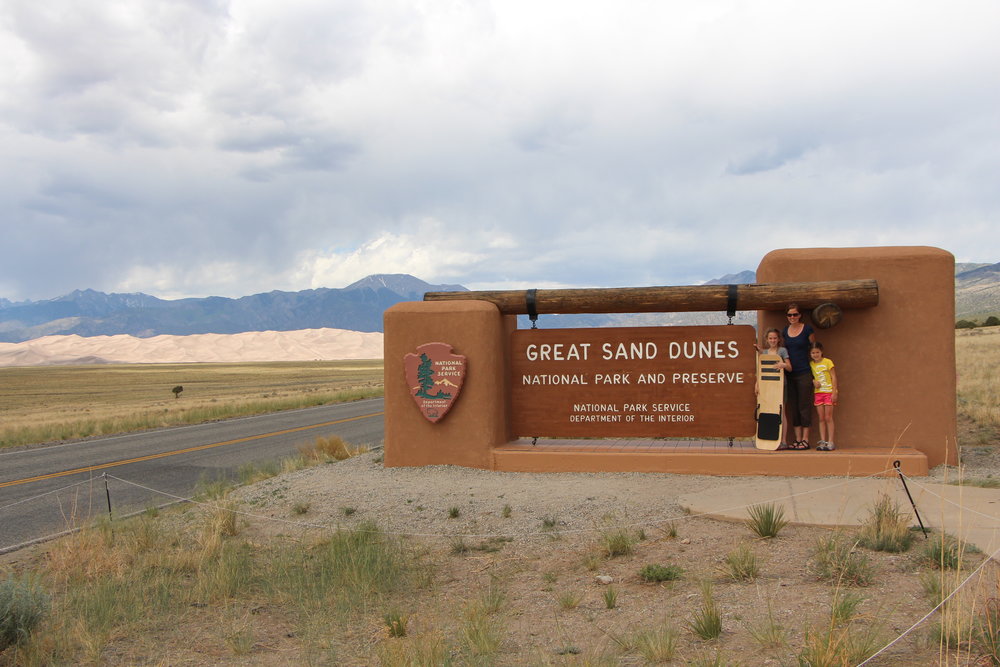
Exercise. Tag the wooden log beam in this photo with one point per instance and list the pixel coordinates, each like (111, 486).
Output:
(692, 298)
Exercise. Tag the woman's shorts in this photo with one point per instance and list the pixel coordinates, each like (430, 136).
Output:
(822, 399)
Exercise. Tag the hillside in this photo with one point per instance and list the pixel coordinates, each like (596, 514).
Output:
(977, 292)
(357, 307)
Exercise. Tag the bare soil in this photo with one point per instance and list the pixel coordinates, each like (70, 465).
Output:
(550, 549)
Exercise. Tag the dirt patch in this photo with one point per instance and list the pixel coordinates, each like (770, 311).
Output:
(541, 540)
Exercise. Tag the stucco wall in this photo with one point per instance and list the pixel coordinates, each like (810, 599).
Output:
(478, 419)
(895, 362)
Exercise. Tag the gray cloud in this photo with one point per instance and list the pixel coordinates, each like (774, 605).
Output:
(193, 148)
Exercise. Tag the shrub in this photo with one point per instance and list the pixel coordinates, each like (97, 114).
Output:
(22, 605)
(655, 573)
(992, 321)
(766, 520)
(965, 324)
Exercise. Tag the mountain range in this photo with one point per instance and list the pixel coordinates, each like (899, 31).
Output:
(357, 307)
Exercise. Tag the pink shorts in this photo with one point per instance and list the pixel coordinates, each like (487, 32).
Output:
(822, 399)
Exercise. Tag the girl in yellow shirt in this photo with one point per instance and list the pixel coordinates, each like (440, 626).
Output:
(825, 396)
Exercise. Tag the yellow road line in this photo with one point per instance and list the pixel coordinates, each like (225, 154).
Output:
(161, 455)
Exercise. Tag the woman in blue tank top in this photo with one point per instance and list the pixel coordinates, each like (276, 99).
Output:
(799, 338)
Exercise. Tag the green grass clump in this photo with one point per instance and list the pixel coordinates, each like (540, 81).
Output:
(23, 604)
(395, 623)
(885, 529)
(844, 607)
(657, 645)
(741, 564)
(766, 520)
(706, 622)
(570, 600)
(657, 573)
(839, 646)
(986, 635)
(943, 552)
(351, 568)
(769, 633)
(610, 596)
(618, 542)
(837, 561)
(482, 633)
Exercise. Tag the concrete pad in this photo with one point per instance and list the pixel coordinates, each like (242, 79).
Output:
(970, 513)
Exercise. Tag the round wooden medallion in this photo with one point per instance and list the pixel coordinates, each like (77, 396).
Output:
(826, 315)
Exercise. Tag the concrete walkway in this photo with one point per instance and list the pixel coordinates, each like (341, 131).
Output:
(967, 512)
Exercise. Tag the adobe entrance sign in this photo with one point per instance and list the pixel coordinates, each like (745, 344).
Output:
(590, 394)
(633, 382)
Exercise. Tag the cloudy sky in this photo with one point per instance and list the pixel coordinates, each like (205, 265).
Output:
(194, 148)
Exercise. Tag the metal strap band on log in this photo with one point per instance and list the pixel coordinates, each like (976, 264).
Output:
(691, 298)
(732, 294)
(532, 307)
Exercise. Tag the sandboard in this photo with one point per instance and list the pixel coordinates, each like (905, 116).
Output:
(770, 396)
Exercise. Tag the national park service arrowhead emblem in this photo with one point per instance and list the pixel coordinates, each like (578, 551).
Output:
(435, 378)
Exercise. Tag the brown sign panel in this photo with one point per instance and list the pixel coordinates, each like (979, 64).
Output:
(637, 382)
(435, 378)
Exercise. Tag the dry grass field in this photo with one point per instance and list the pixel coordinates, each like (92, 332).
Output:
(50, 403)
(235, 582)
(977, 354)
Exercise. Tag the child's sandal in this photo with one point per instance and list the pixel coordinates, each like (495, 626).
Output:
(799, 444)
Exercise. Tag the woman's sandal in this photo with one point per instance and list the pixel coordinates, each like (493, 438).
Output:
(799, 444)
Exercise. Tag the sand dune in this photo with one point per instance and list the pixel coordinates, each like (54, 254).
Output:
(303, 345)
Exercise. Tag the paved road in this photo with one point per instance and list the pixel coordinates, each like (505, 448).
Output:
(45, 490)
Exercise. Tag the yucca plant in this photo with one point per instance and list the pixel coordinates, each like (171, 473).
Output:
(766, 520)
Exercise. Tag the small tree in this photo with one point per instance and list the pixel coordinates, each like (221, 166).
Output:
(177, 391)
(965, 324)
(992, 321)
